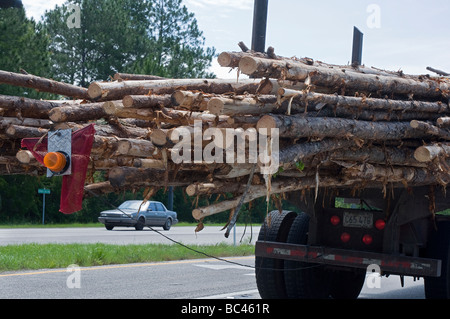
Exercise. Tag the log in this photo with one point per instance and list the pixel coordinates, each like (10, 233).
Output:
(159, 137)
(430, 129)
(116, 108)
(134, 77)
(118, 90)
(136, 147)
(443, 122)
(147, 101)
(43, 84)
(77, 113)
(7, 121)
(339, 79)
(195, 101)
(298, 126)
(19, 131)
(277, 187)
(428, 153)
(25, 107)
(26, 157)
(366, 102)
(242, 105)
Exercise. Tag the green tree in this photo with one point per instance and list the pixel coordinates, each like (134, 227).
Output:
(23, 46)
(176, 44)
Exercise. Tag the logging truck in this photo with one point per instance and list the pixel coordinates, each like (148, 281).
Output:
(326, 249)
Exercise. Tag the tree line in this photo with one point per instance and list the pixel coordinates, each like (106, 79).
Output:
(85, 40)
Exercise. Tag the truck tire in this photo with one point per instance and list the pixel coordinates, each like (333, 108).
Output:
(439, 248)
(305, 280)
(269, 271)
(347, 284)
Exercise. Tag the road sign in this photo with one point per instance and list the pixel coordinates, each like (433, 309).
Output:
(43, 191)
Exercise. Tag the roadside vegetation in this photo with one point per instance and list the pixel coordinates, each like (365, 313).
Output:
(48, 256)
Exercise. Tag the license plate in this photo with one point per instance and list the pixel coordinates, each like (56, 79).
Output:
(361, 220)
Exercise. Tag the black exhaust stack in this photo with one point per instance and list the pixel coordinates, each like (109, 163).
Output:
(260, 25)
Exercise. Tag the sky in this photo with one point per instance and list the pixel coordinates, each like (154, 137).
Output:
(398, 35)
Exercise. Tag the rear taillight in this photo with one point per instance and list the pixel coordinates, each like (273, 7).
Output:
(345, 237)
(380, 224)
(335, 220)
(367, 239)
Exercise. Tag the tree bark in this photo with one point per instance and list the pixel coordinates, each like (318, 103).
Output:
(33, 122)
(298, 126)
(25, 107)
(43, 84)
(147, 101)
(339, 79)
(118, 90)
(135, 77)
(77, 113)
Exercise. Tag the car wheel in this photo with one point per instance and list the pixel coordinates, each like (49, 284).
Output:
(140, 224)
(109, 227)
(168, 224)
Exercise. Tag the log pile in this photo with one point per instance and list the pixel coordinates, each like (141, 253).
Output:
(334, 126)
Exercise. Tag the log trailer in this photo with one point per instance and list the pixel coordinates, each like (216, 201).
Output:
(327, 248)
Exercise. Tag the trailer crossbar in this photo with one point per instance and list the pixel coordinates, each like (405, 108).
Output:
(402, 265)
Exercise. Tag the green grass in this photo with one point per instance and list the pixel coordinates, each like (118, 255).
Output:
(44, 256)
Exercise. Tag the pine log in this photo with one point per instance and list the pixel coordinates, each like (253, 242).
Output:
(19, 131)
(135, 77)
(297, 126)
(116, 108)
(147, 101)
(340, 79)
(430, 129)
(118, 90)
(298, 152)
(277, 187)
(443, 122)
(25, 107)
(77, 113)
(366, 102)
(159, 137)
(136, 147)
(428, 153)
(26, 157)
(195, 101)
(42, 123)
(242, 105)
(43, 84)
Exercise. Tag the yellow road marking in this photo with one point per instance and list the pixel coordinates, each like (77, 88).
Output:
(190, 261)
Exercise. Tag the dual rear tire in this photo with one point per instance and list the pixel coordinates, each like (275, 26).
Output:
(285, 279)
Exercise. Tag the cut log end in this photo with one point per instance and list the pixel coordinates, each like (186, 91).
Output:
(215, 106)
(224, 59)
(123, 147)
(266, 122)
(110, 108)
(158, 137)
(56, 115)
(248, 65)
(197, 214)
(94, 90)
(25, 157)
(127, 101)
(422, 154)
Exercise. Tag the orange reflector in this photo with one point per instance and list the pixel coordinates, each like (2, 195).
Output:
(55, 161)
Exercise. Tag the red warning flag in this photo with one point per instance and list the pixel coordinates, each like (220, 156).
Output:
(72, 190)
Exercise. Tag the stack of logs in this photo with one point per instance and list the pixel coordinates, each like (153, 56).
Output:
(339, 126)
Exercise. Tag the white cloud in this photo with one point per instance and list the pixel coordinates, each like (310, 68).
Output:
(234, 4)
(36, 8)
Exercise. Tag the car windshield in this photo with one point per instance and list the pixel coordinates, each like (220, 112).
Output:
(132, 205)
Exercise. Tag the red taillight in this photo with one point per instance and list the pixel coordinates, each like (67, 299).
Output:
(367, 239)
(380, 224)
(335, 220)
(345, 237)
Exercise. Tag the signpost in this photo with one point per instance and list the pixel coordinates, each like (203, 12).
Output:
(43, 191)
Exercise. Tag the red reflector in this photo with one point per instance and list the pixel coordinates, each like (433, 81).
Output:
(367, 239)
(345, 237)
(335, 220)
(380, 224)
